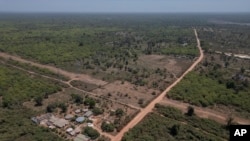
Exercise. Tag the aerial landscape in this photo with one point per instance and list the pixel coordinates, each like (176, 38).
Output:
(96, 73)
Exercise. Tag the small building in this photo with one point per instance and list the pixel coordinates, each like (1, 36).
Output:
(90, 124)
(69, 116)
(52, 127)
(58, 122)
(77, 111)
(88, 114)
(34, 119)
(112, 110)
(77, 130)
(81, 137)
(42, 118)
(44, 122)
(69, 130)
(73, 133)
(85, 110)
(80, 119)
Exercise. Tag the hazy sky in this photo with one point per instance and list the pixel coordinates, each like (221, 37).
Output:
(125, 6)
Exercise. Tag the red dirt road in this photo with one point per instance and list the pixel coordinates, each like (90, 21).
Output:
(204, 112)
(70, 75)
(151, 105)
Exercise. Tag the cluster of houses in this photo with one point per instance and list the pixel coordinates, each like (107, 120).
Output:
(80, 115)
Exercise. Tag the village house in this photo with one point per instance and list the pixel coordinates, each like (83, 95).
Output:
(88, 114)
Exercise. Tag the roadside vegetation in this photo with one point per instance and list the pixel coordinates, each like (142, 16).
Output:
(28, 67)
(17, 87)
(170, 123)
(220, 79)
(206, 92)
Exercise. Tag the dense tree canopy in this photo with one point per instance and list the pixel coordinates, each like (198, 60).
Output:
(17, 87)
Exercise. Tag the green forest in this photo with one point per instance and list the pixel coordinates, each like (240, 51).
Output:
(15, 88)
(16, 125)
(202, 90)
(93, 45)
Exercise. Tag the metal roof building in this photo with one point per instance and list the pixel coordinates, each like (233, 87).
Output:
(80, 119)
(88, 114)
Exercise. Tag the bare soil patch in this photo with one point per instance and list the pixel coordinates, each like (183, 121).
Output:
(59, 97)
(83, 85)
(230, 110)
(174, 65)
(126, 92)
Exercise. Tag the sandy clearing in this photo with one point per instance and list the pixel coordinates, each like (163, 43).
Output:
(126, 93)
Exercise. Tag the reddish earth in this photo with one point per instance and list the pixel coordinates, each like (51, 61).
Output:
(203, 112)
(126, 92)
(151, 105)
(72, 76)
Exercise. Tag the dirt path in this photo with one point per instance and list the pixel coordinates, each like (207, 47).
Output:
(203, 112)
(151, 105)
(71, 75)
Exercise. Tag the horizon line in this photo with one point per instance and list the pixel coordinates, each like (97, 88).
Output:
(61, 12)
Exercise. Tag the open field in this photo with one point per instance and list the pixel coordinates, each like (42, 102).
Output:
(174, 66)
(83, 85)
(127, 93)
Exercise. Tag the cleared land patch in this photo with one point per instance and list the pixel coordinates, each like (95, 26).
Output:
(127, 93)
